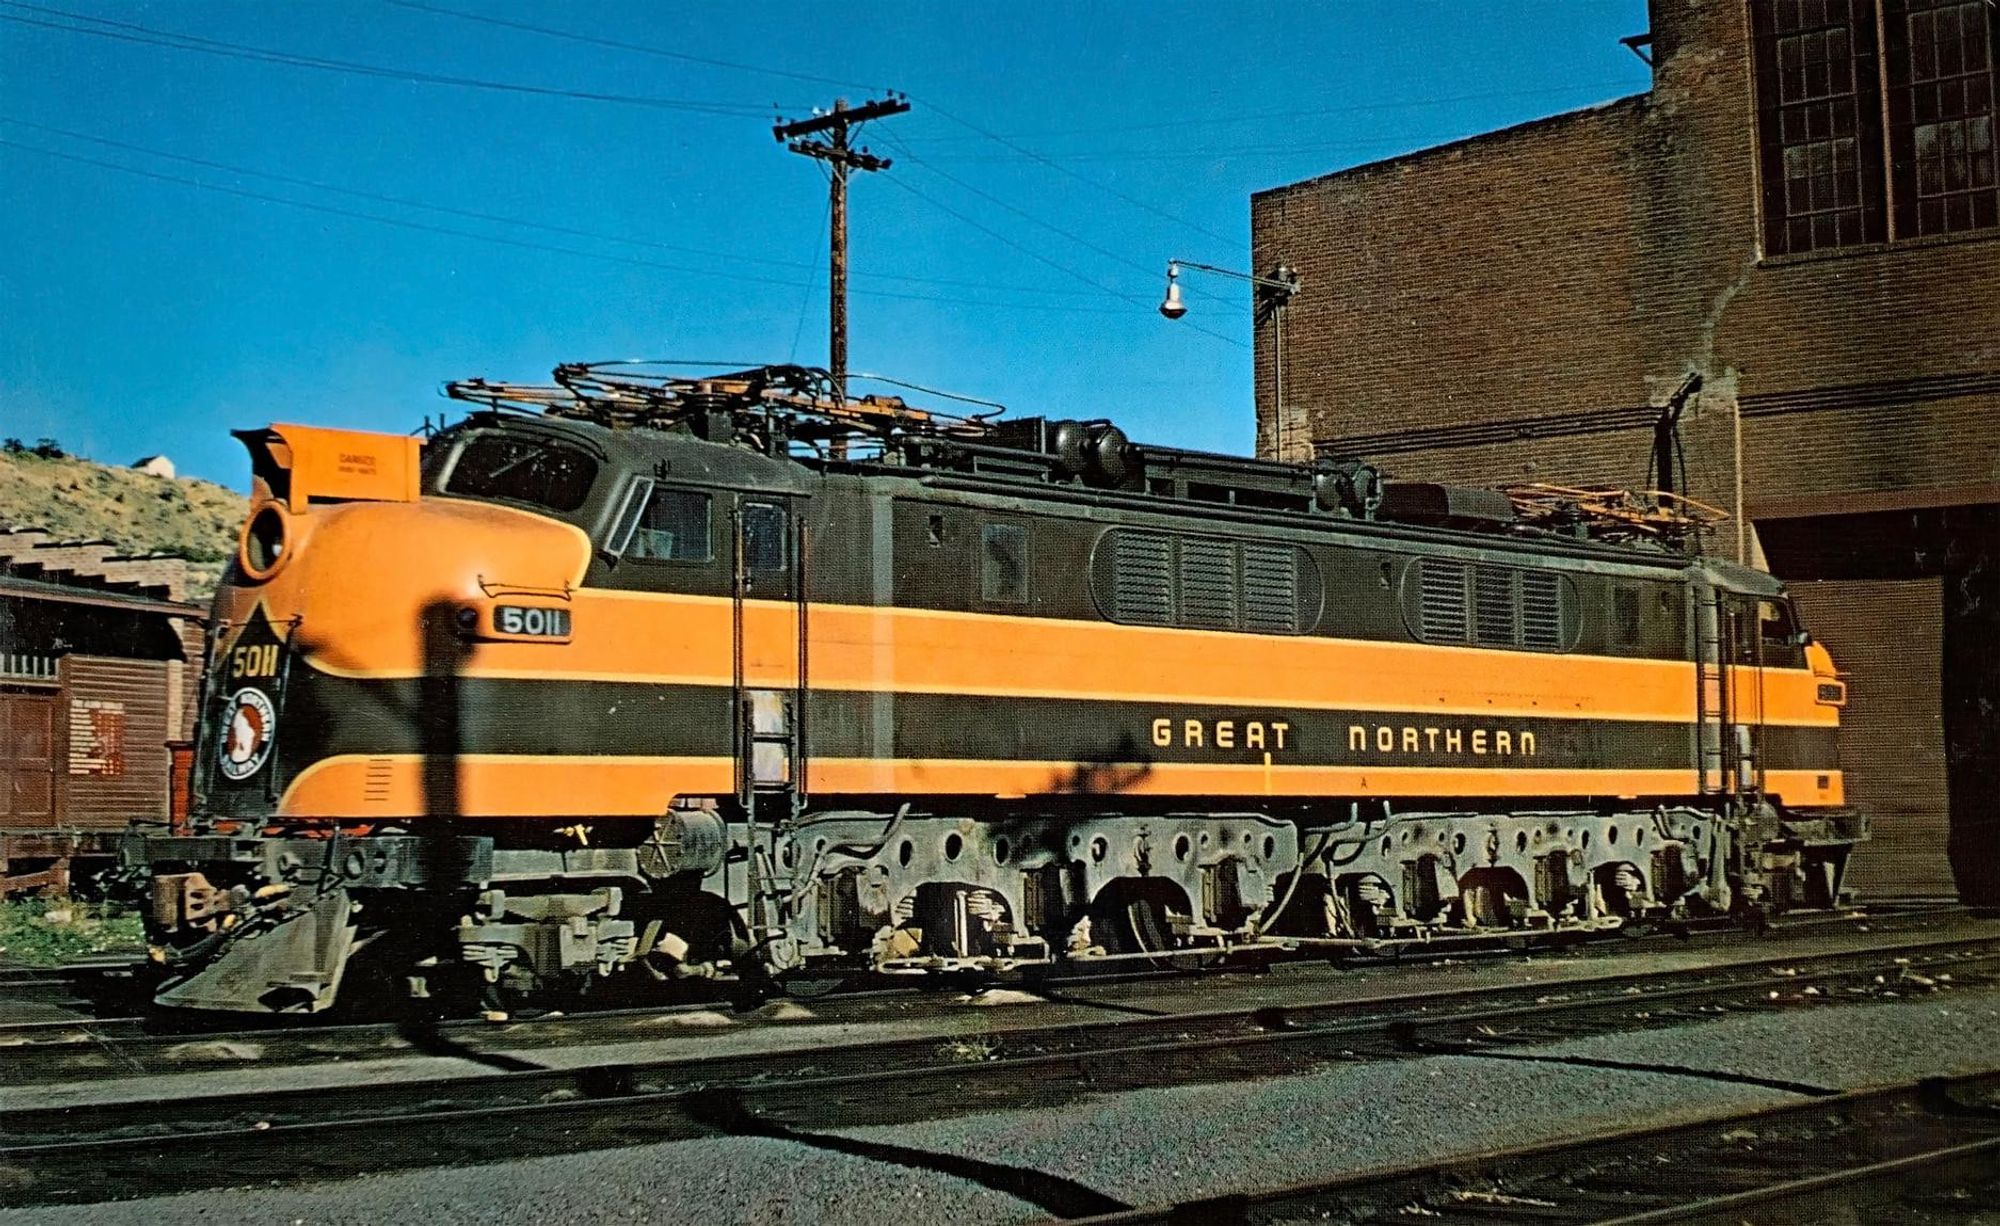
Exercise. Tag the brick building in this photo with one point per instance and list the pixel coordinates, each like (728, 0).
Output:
(99, 660)
(1804, 210)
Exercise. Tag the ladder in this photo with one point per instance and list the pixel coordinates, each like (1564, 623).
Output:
(770, 722)
(769, 748)
(1714, 743)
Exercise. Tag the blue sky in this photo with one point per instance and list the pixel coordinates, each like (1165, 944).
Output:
(142, 313)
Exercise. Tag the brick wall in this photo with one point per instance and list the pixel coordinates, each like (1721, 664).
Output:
(1584, 264)
(1509, 307)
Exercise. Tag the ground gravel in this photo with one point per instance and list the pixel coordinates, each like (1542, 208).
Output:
(1149, 1145)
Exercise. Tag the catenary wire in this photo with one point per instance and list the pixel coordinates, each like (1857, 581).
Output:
(1116, 257)
(1031, 253)
(812, 279)
(1067, 172)
(621, 45)
(497, 218)
(523, 244)
(1195, 121)
(146, 35)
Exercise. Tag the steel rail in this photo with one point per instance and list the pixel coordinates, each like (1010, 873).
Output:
(52, 1051)
(94, 1152)
(1822, 1146)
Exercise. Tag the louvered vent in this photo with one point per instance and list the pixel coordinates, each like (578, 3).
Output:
(1493, 607)
(1542, 611)
(1142, 583)
(1208, 584)
(1441, 600)
(1271, 589)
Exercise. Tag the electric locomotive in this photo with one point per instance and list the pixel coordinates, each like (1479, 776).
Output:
(655, 677)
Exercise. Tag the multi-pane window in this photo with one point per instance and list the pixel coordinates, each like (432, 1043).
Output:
(1941, 113)
(1821, 119)
(1876, 120)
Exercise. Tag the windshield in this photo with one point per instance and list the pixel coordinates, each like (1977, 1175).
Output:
(520, 469)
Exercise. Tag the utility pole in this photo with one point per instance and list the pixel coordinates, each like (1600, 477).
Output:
(837, 151)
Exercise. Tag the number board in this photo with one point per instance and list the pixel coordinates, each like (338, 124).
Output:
(529, 621)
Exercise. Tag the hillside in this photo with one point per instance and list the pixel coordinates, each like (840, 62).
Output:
(79, 499)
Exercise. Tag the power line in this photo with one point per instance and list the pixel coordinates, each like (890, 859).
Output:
(1037, 256)
(494, 218)
(805, 302)
(1197, 121)
(1022, 213)
(1059, 168)
(129, 32)
(623, 45)
(620, 45)
(403, 223)
(1201, 154)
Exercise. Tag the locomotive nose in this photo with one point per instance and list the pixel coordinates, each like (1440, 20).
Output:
(368, 588)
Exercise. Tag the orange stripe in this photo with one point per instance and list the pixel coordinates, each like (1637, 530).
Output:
(496, 785)
(677, 639)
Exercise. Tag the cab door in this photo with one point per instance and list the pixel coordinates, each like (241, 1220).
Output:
(1746, 684)
(771, 650)
(1729, 691)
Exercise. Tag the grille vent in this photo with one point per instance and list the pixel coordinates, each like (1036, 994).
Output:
(1142, 579)
(1208, 584)
(1542, 611)
(1156, 579)
(1441, 600)
(1271, 589)
(1493, 606)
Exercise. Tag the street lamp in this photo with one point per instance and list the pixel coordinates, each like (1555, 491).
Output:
(1274, 294)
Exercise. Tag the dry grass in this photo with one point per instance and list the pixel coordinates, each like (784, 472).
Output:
(78, 499)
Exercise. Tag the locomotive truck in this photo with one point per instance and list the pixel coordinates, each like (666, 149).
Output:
(737, 677)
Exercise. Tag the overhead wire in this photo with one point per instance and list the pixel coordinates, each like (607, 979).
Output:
(645, 49)
(131, 32)
(895, 142)
(405, 223)
(495, 218)
(1079, 177)
(812, 280)
(1197, 121)
(1039, 257)
(621, 45)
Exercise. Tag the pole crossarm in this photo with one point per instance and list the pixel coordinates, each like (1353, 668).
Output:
(860, 159)
(836, 151)
(841, 116)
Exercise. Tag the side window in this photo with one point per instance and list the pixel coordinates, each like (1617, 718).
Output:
(1625, 616)
(1003, 563)
(765, 532)
(673, 526)
(1780, 632)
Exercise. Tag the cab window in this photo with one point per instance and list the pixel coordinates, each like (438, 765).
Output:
(1779, 629)
(764, 533)
(669, 525)
(519, 468)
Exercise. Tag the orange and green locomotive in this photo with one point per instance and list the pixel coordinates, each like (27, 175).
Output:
(735, 676)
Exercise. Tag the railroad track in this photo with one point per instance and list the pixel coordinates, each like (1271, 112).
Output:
(81, 993)
(74, 1051)
(1928, 1149)
(114, 1150)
